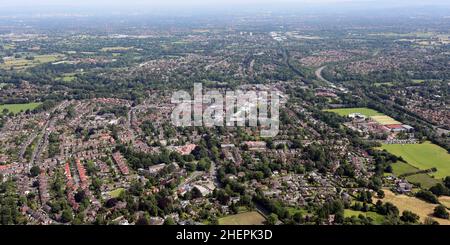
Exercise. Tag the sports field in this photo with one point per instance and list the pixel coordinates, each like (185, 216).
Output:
(16, 108)
(385, 120)
(347, 111)
(247, 218)
(423, 156)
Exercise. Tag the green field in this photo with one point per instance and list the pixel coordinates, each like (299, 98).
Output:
(400, 168)
(388, 84)
(116, 193)
(16, 108)
(425, 180)
(248, 218)
(423, 156)
(377, 218)
(347, 111)
(22, 63)
(68, 77)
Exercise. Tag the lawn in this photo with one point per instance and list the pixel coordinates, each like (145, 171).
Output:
(417, 206)
(425, 180)
(16, 108)
(248, 218)
(377, 218)
(347, 111)
(116, 193)
(292, 211)
(400, 168)
(423, 156)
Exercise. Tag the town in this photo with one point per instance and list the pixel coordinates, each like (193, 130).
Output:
(87, 131)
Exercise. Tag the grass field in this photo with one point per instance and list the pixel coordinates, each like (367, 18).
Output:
(421, 208)
(388, 84)
(400, 168)
(69, 77)
(347, 111)
(385, 120)
(425, 180)
(292, 211)
(116, 193)
(248, 218)
(377, 218)
(22, 63)
(16, 108)
(423, 156)
(445, 200)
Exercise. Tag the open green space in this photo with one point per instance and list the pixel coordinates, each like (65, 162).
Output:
(22, 63)
(16, 108)
(423, 156)
(377, 218)
(247, 218)
(364, 111)
(425, 180)
(116, 193)
(400, 168)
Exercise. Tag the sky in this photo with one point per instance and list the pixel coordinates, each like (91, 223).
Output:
(175, 3)
(124, 5)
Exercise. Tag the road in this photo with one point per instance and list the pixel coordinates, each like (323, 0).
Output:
(319, 75)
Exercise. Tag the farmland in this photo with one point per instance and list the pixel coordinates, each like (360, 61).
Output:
(425, 180)
(23, 63)
(423, 156)
(16, 108)
(421, 208)
(248, 218)
(400, 168)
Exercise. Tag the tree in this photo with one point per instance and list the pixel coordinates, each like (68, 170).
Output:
(272, 219)
(204, 164)
(409, 217)
(427, 196)
(447, 181)
(196, 193)
(80, 196)
(35, 171)
(439, 189)
(441, 212)
(169, 221)
(142, 221)
(67, 215)
(380, 194)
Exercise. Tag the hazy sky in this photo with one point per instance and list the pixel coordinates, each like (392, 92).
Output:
(128, 3)
(107, 6)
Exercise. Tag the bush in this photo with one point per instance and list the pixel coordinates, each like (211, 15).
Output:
(427, 196)
(440, 212)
